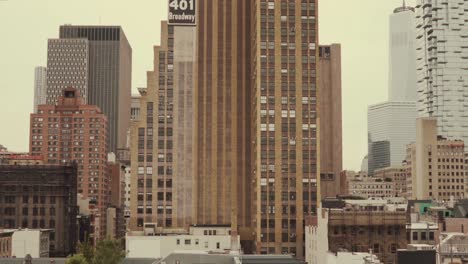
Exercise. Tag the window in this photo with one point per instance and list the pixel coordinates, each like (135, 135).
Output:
(178, 241)
(423, 236)
(206, 244)
(188, 242)
(218, 245)
(415, 235)
(431, 235)
(197, 241)
(393, 248)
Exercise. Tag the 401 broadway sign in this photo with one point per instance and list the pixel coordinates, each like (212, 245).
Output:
(182, 12)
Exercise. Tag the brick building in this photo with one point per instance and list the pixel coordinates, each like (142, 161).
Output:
(397, 175)
(361, 229)
(73, 131)
(41, 196)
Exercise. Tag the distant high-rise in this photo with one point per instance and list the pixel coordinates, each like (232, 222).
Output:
(442, 63)
(67, 66)
(40, 86)
(391, 126)
(402, 59)
(96, 60)
(73, 131)
(331, 148)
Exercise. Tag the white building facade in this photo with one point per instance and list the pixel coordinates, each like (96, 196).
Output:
(40, 86)
(391, 126)
(127, 195)
(402, 60)
(33, 242)
(442, 65)
(215, 239)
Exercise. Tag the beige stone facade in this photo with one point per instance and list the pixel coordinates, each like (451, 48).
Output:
(397, 176)
(371, 188)
(162, 181)
(437, 164)
(286, 123)
(243, 148)
(361, 230)
(223, 112)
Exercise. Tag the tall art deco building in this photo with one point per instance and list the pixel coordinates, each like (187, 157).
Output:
(236, 140)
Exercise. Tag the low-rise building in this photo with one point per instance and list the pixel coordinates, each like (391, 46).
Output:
(159, 243)
(397, 176)
(453, 248)
(371, 187)
(41, 197)
(30, 242)
(422, 233)
(358, 226)
(196, 257)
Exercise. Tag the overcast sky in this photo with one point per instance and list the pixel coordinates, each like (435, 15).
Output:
(361, 26)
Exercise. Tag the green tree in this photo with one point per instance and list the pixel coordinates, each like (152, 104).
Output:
(108, 252)
(87, 251)
(77, 259)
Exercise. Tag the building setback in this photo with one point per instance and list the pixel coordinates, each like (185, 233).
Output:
(254, 125)
(97, 60)
(331, 147)
(40, 86)
(162, 136)
(41, 196)
(73, 131)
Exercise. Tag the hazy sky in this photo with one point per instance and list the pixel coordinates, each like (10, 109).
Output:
(361, 26)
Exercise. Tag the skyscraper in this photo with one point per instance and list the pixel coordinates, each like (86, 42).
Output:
(222, 101)
(96, 60)
(442, 60)
(254, 124)
(402, 59)
(285, 123)
(40, 86)
(162, 135)
(331, 147)
(392, 124)
(73, 131)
